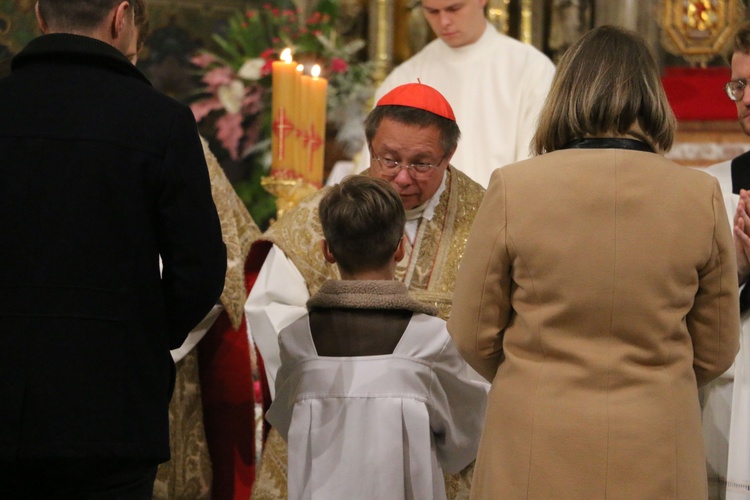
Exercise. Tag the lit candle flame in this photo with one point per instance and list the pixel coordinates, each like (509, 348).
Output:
(286, 55)
(300, 68)
(315, 72)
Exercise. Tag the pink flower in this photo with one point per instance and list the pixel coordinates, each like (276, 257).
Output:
(314, 18)
(229, 132)
(203, 59)
(338, 65)
(203, 107)
(253, 102)
(217, 77)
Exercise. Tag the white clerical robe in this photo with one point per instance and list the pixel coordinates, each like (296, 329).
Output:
(496, 87)
(375, 427)
(726, 400)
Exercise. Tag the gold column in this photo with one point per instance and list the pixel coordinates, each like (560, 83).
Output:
(497, 13)
(527, 27)
(381, 38)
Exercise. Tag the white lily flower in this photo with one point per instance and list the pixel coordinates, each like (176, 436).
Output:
(231, 96)
(251, 69)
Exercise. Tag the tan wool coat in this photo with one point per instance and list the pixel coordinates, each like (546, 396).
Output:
(598, 290)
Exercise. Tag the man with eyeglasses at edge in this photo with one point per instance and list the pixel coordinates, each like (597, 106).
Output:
(412, 134)
(726, 401)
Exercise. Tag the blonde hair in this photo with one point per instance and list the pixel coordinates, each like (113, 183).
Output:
(606, 83)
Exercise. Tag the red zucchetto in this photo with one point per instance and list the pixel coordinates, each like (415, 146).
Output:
(420, 96)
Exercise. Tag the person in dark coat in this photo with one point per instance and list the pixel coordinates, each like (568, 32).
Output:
(100, 176)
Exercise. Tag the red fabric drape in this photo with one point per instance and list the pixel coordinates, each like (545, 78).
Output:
(228, 408)
(229, 397)
(698, 93)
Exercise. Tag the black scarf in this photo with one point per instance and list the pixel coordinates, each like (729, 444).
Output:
(609, 143)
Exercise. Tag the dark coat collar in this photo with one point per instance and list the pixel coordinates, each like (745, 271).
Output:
(608, 143)
(78, 48)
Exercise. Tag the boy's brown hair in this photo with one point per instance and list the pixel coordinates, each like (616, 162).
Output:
(363, 221)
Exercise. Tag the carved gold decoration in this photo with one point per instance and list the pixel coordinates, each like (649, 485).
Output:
(699, 30)
(381, 38)
(288, 192)
(497, 14)
(526, 21)
(411, 31)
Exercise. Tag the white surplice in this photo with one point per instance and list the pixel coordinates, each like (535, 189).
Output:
(375, 427)
(726, 400)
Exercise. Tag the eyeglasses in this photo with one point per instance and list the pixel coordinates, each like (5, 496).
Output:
(391, 168)
(736, 89)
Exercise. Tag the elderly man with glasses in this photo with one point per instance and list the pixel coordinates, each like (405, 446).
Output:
(726, 401)
(412, 134)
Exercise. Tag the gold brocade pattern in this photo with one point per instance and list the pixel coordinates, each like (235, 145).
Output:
(458, 486)
(187, 475)
(270, 483)
(238, 230)
(430, 278)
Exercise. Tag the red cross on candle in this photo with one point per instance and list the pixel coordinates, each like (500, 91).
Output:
(314, 142)
(282, 125)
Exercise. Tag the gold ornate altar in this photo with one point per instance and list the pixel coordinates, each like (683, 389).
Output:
(699, 30)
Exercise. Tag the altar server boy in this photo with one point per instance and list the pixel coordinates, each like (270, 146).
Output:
(372, 396)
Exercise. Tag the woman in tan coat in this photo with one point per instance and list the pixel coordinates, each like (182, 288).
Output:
(598, 291)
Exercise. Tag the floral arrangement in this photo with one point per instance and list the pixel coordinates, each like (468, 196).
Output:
(237, 79)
